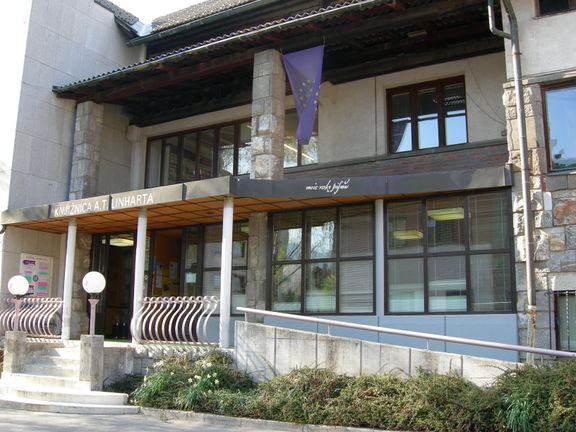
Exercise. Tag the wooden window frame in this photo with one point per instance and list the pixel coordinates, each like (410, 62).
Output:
(413, 90)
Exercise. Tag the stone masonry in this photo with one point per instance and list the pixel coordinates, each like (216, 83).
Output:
(86, 152)
(553, 202)
(268, 94)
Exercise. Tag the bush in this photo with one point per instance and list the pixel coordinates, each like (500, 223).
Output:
(181, 383)
(539, 398)
(529, 399)
(299, 397)
(368, 401)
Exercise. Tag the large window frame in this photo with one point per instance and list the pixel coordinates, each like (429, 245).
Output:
(217, 150)
(195, 271)
(425, 255)
(305, 261)
(208, 144)
(552, 7)
(409, 118)
(560, 129)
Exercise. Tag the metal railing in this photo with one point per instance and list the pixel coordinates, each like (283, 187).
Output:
(180, 320)
(38, 317)
(421, 335)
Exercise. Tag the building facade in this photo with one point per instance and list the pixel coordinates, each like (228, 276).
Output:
(134, 147)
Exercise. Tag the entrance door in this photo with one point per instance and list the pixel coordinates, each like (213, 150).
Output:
(113, 256)
(166, 253)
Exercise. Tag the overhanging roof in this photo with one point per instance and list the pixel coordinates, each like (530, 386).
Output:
(201, 202)
(207, 70)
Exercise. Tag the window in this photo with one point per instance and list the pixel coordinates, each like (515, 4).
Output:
(449, 254)
(566, 320)
(323, 260)
(203, 248)
(427, 115)
(218, 151)
(295, 154)
(560, 105)
(200, 154)
(547, 7)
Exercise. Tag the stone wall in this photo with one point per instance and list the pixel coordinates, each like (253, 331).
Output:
(553, 204)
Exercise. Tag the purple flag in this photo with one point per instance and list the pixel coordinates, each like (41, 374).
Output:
(304, 70)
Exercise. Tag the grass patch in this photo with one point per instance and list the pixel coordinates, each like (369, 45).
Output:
(524, 400)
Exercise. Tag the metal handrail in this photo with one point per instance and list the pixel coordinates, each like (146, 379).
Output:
(421, 335)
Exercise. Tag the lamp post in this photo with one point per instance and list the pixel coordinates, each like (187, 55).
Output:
(93, 283)
(18, 286)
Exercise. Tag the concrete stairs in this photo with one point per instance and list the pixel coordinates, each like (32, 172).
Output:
(50, 382)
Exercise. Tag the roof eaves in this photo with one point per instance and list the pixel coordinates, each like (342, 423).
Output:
(215, 43)
(163, 32)
(127, 21)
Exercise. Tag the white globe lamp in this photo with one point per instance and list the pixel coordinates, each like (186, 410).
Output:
(93, 283)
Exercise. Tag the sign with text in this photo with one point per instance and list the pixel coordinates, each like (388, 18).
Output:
(79, 207)
(146, 197)
(37, 269)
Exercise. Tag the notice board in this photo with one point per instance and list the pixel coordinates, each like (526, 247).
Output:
(37, 269)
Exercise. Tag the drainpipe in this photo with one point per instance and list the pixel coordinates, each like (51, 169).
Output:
(524, 167)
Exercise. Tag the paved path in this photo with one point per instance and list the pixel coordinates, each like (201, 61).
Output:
(19, 421)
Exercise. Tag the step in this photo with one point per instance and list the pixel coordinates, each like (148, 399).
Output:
(51, 370)
(38, 381)
(63, 396)
(62, 352)
(69, 363)
(66, 408)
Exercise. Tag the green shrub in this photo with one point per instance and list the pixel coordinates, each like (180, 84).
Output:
(181, 383)
(529, 399)
(368, 401)
(539, 398)
(299, 397)
(435, 402)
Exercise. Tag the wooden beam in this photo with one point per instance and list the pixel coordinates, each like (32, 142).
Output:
(382, 66)
(174, 76)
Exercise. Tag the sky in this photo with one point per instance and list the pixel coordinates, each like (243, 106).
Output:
(147, 10)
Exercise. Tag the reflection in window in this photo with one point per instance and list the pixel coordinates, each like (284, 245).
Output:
(202, 257)
(427, 115)
(561, 127)
(461, 262)
(310, 273)
(566, 320)
(298, 154)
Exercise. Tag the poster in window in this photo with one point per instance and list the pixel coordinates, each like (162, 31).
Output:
(37, 269)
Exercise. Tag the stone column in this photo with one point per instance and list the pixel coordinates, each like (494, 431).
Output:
(86, 151)
(15, 351)
(92, 361)
(547, 239)
(268, 96)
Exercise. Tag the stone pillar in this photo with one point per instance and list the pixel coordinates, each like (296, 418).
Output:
(14, 351)
(268, 96)
(546, 238)
(257, 264)
(80, 320)
(86, 151)
(92, 361)
(138, 164)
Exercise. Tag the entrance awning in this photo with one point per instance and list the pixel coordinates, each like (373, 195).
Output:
(201, 202)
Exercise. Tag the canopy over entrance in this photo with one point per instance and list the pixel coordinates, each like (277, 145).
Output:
(202, 201)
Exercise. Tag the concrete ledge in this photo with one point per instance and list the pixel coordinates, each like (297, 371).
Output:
(265, 351)
(242, 422)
